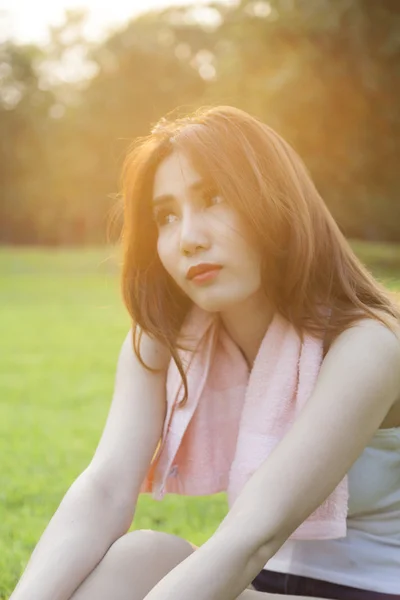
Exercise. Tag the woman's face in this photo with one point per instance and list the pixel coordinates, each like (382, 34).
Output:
(196, 225)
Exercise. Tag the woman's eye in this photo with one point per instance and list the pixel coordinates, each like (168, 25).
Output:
(164, 217)
(213, 197)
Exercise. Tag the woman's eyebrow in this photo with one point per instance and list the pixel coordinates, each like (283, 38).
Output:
(196, 186)
(162, 199)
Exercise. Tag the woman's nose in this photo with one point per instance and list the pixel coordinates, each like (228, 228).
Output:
(193, 234)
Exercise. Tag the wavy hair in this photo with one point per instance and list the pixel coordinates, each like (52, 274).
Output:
(307, 262)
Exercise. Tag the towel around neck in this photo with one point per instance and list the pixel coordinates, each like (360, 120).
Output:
(233, 419)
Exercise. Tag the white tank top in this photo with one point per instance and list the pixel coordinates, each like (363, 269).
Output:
(369, 556)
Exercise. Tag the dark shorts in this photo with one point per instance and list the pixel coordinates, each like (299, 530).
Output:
(282, 583)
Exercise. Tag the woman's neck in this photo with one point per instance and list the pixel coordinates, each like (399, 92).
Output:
(246, 324)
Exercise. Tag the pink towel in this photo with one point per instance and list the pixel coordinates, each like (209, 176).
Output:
(232, 420)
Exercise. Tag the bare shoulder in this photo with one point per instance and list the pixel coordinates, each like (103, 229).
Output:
(377, 349)
(375, 334)
(154, 353)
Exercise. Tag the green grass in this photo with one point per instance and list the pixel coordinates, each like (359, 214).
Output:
(62, 324)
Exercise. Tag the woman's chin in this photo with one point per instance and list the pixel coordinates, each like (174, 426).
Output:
(215, 304)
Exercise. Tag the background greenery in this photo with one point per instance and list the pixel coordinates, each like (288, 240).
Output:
(62, 324)
(324, 73)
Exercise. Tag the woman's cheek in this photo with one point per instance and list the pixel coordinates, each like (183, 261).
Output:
(167, 256)
(162, 254)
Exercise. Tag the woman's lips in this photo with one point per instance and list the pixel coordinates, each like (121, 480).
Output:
(206, 276)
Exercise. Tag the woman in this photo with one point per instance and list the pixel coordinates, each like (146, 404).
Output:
(222, 218)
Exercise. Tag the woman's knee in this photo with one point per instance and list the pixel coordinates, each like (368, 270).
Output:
(140, 544)
(140, 559)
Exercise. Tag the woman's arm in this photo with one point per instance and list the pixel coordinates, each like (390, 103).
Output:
(99, 506)
(82, 529)
(358, 383)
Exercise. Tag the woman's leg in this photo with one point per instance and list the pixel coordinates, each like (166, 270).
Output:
(133, 565)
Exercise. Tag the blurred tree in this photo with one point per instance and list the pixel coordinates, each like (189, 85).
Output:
(23, 152)
(136, 82)
(324, 73)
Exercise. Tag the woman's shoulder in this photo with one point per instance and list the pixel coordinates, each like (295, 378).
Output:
(382, 341)
(154, 353)
(380, 327)
(371, 330)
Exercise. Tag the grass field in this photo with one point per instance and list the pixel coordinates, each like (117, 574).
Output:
(62, 324)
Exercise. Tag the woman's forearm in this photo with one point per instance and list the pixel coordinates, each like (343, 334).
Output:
(82, 529)
(219, 570)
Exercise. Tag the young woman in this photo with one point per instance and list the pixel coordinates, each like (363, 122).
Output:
(222, 218)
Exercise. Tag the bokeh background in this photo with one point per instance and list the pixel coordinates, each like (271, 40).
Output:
(79, 80)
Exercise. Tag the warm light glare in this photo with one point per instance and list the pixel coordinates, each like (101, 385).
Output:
(27, 21)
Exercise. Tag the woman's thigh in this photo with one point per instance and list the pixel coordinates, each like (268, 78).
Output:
(133, 565)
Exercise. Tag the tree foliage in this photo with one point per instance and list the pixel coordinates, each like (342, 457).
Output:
(324, 73)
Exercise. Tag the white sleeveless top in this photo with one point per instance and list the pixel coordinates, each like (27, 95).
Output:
(369, 556)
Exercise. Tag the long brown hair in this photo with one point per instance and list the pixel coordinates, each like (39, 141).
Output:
(308, 263)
